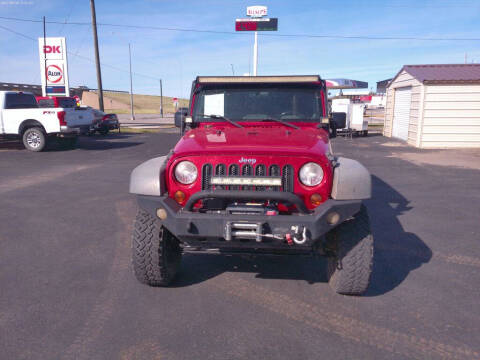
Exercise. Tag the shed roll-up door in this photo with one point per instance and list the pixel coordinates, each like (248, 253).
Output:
(401, 112)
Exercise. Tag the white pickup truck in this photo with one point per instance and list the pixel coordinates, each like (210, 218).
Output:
(20, 116)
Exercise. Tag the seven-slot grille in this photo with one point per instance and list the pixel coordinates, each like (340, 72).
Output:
(248, 170)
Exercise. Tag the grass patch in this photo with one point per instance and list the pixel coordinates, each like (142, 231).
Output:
(144, 104)
(137, 111)
(129, 130)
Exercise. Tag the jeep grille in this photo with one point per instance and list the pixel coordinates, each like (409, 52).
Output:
(287, 174)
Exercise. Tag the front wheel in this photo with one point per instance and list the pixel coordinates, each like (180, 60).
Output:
(34, 139)
(351, 244)
(156, 253)
(103, 132)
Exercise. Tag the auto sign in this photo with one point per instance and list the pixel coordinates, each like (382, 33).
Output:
(54, 74)
(256, 11)
(53, 66)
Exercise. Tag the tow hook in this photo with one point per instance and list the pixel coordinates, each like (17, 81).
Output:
(297, 232)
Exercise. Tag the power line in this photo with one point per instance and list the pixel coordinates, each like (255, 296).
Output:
(72, 5)
(80, 56)
(321, 36)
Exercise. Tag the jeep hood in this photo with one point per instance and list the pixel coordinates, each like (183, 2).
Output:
(268, 140)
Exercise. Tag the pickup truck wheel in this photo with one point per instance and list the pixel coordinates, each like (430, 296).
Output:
(104, 132)
(156, 253)
(352, 245)
(34, 139)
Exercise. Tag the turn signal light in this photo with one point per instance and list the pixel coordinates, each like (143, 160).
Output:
(179, 196)
(316, 199)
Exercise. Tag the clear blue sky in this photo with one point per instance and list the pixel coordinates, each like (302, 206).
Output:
(177, 57)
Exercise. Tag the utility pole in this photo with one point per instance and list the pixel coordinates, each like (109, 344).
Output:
(161, 98)
(131, 82)
(44, 90)
(255, 54)
(97, 56)
(233, 70)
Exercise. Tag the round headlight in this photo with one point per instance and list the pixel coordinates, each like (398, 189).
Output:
(311, 174)
(186, 172)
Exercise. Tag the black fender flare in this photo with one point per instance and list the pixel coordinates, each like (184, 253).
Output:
(29, 123)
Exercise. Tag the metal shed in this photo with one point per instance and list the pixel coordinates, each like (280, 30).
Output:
(435, 106)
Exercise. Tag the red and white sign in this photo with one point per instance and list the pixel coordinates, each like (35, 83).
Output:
(257, 11)
(53, 65)
(175, 103)
(47, 49)
(54, 74)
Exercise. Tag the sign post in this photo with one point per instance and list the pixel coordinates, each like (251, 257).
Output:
(256, 22)
(53, 66)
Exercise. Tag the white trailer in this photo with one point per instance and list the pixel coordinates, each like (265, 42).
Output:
(355, 121)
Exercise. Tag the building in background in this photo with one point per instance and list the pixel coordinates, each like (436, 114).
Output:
(382, 86)
(435, 106)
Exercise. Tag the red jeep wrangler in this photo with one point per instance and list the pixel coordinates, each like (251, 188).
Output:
(254, 172)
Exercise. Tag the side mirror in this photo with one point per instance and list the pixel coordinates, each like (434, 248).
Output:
(338, 120)
(180, 118)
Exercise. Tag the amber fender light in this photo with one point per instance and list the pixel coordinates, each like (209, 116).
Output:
(316, 199)
(179, 196)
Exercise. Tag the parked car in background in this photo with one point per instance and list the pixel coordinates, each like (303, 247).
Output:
(104, 122)
(21, 117)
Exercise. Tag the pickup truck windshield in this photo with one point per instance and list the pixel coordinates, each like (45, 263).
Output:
(20, 101)
(254, 102)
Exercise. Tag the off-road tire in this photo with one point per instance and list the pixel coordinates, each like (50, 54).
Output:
(34, 135)
(350, 266)
(156, 253)
(103, 132)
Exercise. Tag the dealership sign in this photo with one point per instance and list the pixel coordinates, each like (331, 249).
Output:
(53, 66)
(256, 20)
(257, 11)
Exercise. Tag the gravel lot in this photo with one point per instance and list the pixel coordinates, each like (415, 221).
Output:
(67, 290)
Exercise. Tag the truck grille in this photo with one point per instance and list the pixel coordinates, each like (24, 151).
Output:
(286, 172)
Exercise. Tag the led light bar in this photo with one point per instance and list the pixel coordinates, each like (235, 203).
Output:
(253, 181)
(259, 79)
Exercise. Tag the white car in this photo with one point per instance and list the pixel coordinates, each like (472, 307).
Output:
(20, 116)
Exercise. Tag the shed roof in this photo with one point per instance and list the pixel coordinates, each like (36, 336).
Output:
(444, 73)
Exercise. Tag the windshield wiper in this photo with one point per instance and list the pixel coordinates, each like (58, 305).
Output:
(234, 123)
(282, 122)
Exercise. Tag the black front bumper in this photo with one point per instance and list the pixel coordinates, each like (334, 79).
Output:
(213, 229)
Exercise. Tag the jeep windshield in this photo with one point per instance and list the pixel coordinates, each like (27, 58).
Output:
(293, 103)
